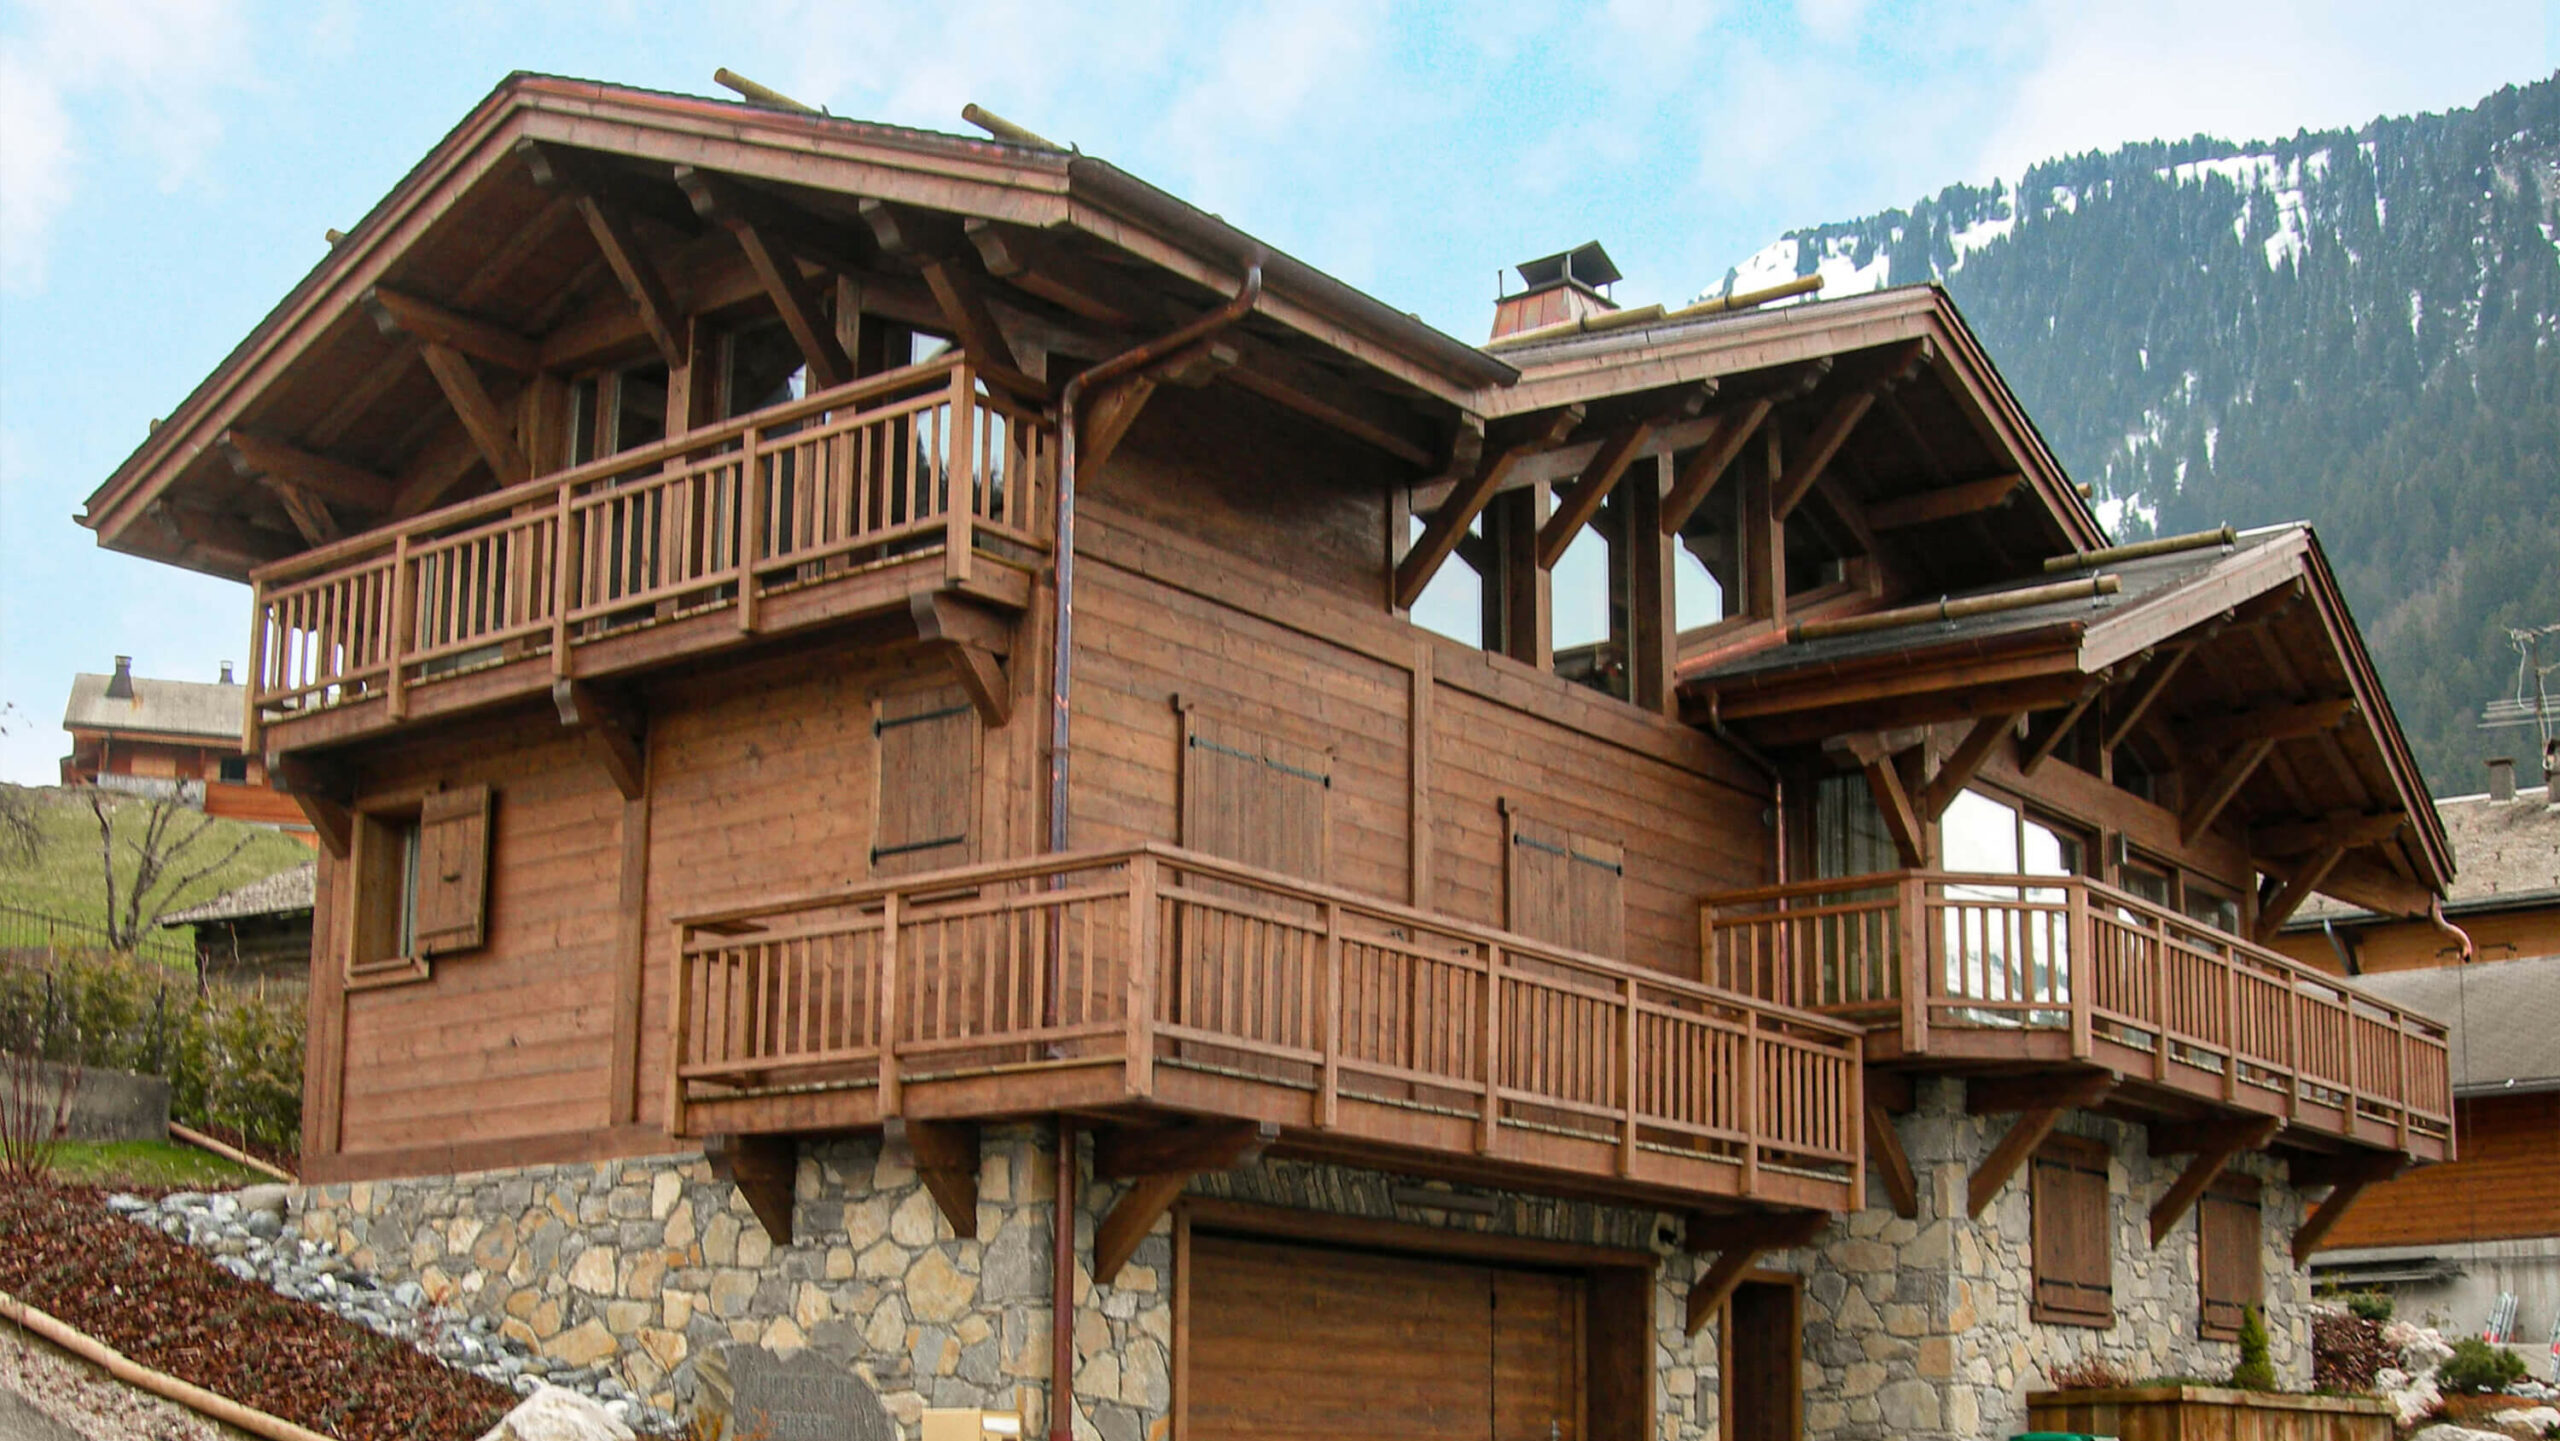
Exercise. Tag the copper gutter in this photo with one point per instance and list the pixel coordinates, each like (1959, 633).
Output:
(1777, 782)
(1062, 1240)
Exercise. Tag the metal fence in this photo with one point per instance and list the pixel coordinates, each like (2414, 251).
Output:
(24, 928)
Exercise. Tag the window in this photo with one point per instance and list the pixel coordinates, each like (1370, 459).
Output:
(1253, 798)
(1849, 835)
(235, 770)
(617, 411)
(2230, 1276)
(2215, 908)
(422, 882)
(760, 365)
(2074, 1268)
(1564, 885)
(2006, 943)
(928, 772)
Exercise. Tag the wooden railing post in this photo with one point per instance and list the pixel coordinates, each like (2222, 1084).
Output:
(751, 491)
(2078, 941)
(1917, 965)
(887, 1018)
(1489, 1124)
(1330, 1087)
(1627, 1076)
(1750, 1117)
(257, 668)
(960, 511)
(564, 558)
(404, 617)
(681, 1042)
(2400, 1082)
(1143, 969)
(2292, 1046)
(2229, 967)
(2354, 1079)
(2159, 943)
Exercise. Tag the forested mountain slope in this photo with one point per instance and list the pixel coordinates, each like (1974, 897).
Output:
(2358, 328)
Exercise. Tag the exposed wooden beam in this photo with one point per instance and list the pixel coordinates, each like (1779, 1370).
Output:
(1965, 762)
(2333, 1208)
(1697, 480)
(1468, 501)
(981, 673)
(1901, 818)
(946, 1160)
(397, 313)
(1805, 466)
(480, 416)
(1954, 502)
(1038, 266)
(935, 244)
(308, 512)
(2044, 747)
(1109, 417)
(220, 537)
(1739, 1245)
(1891, 1164)
(1580, 500)
(322, 796)
(647, 289)
(317, 475)
(584, 172)
(2155, 680)
(2351, 829)
(2360, 882)
(611, 730)
(2338, 1168)
(2205, 805)
(745, 216)
(1220, 1146)
(2268, 723)
(2296, 889)
(2212, 1148)
(2056, 1098)
(1299, 385)
(765, 1169)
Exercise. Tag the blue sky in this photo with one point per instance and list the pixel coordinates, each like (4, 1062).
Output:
(167, 167)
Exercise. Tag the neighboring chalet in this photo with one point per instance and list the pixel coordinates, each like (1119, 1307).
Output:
(170, 737)
(255, 935)
(829, 658)
(2455, 1239)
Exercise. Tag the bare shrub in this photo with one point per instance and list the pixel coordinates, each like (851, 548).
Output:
(35, 1116)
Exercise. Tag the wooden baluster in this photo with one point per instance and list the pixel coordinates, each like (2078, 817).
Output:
(404, 603)
(1627, 1073)
(2227, 970)
(888, 1019)
(1918, 970)
(960, 523)
(1489, 1123)
(2400, 1080)
(1749, 1118)
(681, 1029)
(2156, 939)
(1143, 964)
(2076, 942)
(751, 502)
(564, 566)
(1330, 1089)
(257, 668)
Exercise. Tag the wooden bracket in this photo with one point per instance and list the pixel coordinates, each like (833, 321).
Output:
(1891, 1163)
(1697, 480)
(1950, 503)
(749, 217)
(317, 475)
(2347, 1177)
(1806, 466)
(1468, 500)
(1738, 1242)
(395, 313)
(2041, 1103)
(2213, 1146)
(946, 1160)
(322, 796)
(765, 1169)
(1959, 768)
(2209, 799)
(974, 642)
(2043, 749)
(2296, 889)
(1161, 1162)
(487, 426)
(613, 730)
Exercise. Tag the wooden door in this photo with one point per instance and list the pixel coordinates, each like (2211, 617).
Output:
(1304, 1343)
(1762, 1371)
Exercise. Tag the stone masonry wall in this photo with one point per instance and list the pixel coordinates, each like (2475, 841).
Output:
(1919, 1329)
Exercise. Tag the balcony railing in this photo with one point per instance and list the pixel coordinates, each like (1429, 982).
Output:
(888, 469)
(1160, 976)
(1958, 966)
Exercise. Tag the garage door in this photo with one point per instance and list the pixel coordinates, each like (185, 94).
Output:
(1291, 1342)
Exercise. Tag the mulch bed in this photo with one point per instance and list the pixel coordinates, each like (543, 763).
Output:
(170, 1308)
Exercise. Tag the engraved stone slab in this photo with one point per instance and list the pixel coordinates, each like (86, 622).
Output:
(802, 1396)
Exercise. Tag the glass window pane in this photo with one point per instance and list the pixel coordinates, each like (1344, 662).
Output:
(1980, 834)
(1849, 838)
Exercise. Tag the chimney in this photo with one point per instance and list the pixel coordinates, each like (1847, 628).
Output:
(120, 685)
(2502, 778)
(226, 672)
(1556, 288)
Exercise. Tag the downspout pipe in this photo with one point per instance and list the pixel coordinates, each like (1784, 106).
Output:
(1777, 778)
(2461, 937)
(1062, 1241)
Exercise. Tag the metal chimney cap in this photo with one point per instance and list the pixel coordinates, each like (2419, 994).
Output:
(120, 685)
(2502, 778)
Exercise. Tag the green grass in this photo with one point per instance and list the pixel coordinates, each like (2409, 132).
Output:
(149, 1165)
(65, 878)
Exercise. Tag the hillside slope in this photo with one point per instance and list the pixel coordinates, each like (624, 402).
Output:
(2358, 328)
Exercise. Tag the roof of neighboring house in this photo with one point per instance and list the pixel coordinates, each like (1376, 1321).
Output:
(2504, 1018)
(2507, 852)
(285, 893)
(161, 707)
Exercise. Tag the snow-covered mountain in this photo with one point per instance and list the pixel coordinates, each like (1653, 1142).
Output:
(2360, 328)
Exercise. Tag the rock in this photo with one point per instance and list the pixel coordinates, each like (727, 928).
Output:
(270, 1199)
(2459, 1433)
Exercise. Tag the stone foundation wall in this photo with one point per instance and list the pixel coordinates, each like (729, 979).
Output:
(1920, 1328)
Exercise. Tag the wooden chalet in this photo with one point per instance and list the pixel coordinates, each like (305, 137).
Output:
(170, 737)
(789, 627)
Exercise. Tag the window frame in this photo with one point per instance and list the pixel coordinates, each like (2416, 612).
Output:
(381, 946)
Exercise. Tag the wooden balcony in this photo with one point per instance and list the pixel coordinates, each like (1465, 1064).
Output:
(1988, 973)
(1155, 979)
(825, 509)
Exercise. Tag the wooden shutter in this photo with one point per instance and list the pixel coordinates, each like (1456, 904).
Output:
(2074, 1267)
(2230, 1274)
(1565, 886)
(452, 904)
(1253, 798)
(928, 766)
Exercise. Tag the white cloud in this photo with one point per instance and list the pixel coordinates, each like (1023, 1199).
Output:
(1834, 21)
(153, 69)
(2110, 74)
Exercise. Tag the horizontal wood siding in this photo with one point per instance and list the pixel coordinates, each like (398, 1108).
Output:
(2506, 1185)
(513, 1037)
